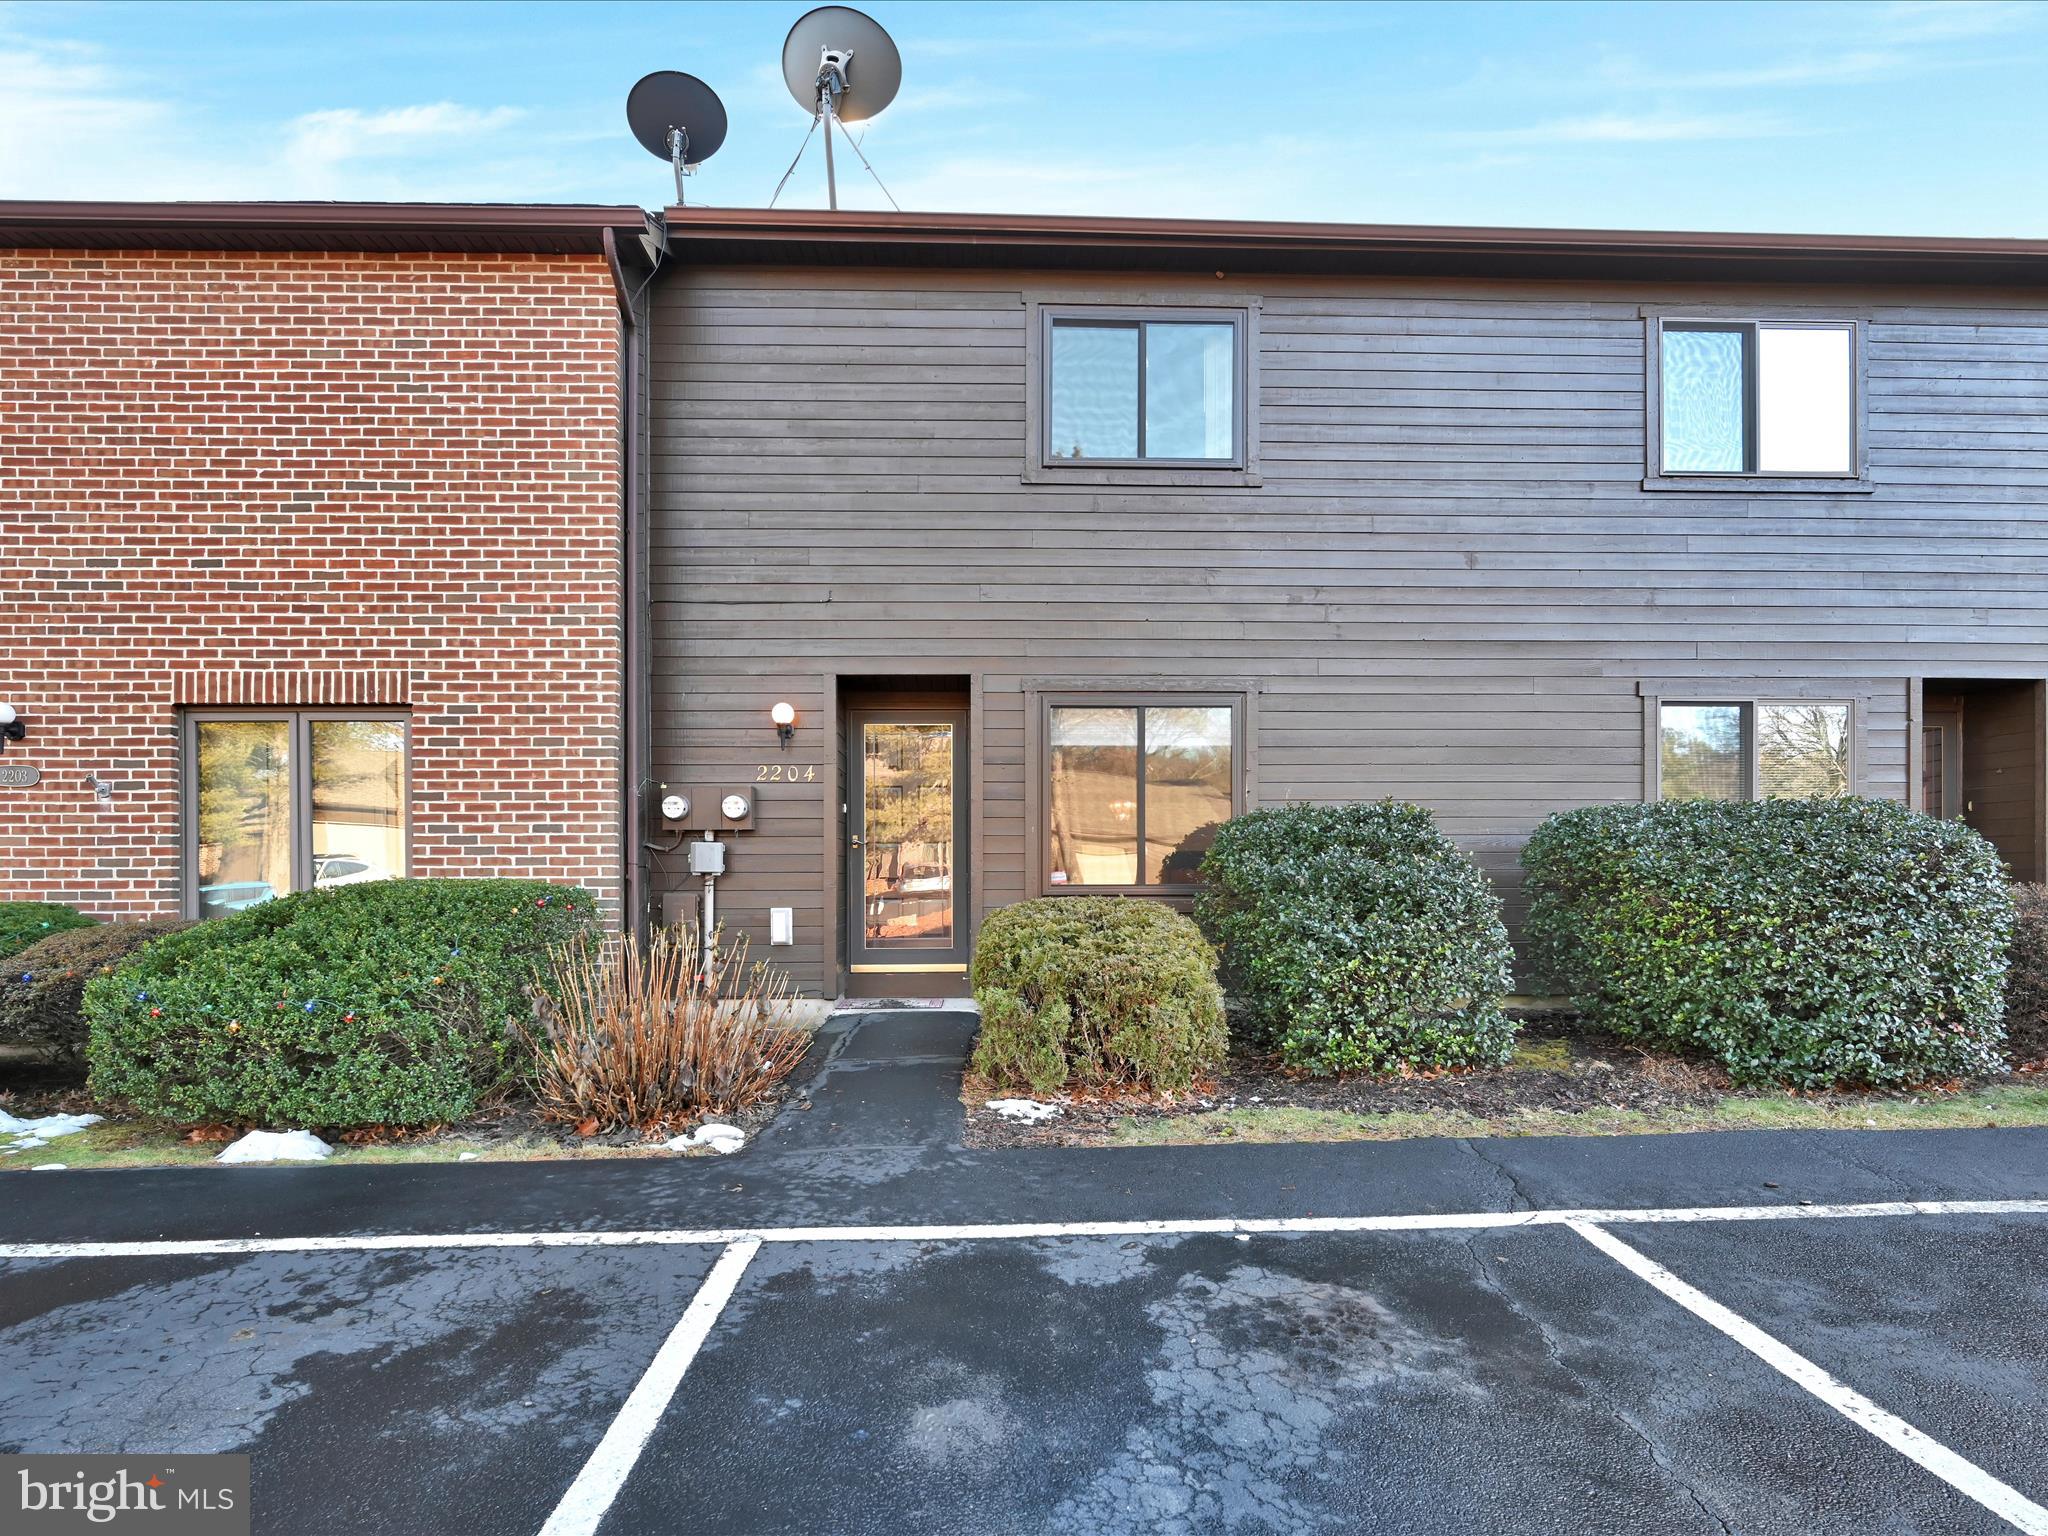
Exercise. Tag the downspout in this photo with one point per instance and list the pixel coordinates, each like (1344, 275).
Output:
(634, 746)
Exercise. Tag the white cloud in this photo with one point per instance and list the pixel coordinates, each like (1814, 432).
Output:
(63, 116)
(1856, 66)
(72, 125)
(1941, 20)
(1635, 128)
(325, 153)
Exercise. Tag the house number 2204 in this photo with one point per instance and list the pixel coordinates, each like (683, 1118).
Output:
(785, 773)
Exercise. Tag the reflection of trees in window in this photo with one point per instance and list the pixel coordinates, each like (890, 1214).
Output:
(1803, 750)
(1799, 750)
(244, 793)
(907, 825)
(359, 772)
(1187, 788)
(1105, 828)
(1701, 752)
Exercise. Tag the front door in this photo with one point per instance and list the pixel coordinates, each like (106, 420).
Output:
(906, 857)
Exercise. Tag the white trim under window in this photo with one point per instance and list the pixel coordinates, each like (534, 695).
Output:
(1779, 402)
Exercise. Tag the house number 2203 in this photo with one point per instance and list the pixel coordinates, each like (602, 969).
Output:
(785, 773)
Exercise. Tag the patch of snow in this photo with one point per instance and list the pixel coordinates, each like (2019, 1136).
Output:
(26, 1135)
(467, 1157)
(1023, 1111)
(274, 1147)
(718, 1137)
(47, 1168)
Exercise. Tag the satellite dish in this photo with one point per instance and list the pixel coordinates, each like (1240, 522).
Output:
(836, 51)
(841, 67)
(677, 118)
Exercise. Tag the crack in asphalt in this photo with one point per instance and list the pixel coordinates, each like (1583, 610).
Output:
(1592, 1390)
(1514, 1181)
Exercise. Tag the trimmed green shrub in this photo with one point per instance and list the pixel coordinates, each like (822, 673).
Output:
(2026, 982)
(42, 995)
(1802, 942)
(1095, 990)
(1358, 938)
(23, 923)
(388, 1003)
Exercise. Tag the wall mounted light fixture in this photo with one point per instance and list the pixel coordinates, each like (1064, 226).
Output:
(11, 728)
(784, 716)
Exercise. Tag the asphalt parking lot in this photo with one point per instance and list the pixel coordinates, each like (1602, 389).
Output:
(858, 1325)
(1446, 1373)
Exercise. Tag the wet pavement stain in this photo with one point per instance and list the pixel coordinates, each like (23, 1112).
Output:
(445, 1391)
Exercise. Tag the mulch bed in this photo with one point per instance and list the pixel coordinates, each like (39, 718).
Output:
(1604, 1073)
(30, 1089)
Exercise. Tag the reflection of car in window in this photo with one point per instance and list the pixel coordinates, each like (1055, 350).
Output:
(235, 895)
(345, 869)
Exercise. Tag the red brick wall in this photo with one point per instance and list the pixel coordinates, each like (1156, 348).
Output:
(297, 478)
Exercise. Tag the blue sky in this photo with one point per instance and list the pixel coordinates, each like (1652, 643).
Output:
(1880, 118)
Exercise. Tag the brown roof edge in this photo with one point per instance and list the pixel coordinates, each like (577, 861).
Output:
(460, 227)
(1193, 244)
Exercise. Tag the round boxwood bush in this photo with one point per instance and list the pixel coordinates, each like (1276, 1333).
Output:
(42, 993)
(1096, 990)
(1803, 942)
(389, 1003)
(2026, 982)
(1358, 937)
(23, 923)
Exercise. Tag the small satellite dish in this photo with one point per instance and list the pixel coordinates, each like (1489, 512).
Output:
(838, 51)
(841, 67)
(677, 118)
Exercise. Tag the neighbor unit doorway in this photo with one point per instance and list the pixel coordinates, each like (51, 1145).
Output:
(1984, 761)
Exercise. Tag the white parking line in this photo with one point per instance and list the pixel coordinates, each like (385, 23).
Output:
(584, 1505)
(1965, 1476)
(976, 1231)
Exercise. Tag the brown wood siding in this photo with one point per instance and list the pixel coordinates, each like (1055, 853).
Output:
(2002, 761)
(1450, 587)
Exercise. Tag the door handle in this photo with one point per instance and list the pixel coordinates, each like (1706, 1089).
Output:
(856, 842)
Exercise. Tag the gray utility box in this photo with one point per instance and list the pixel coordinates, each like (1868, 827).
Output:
(706, 858)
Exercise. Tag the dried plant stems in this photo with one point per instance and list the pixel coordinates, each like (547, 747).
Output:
(645, 1036)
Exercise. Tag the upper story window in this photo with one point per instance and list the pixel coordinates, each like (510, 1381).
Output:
(1757, 398)
(1754, 749)
(290, 800)
(1126, 387)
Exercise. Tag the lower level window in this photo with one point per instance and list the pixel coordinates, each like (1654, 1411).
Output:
(1136, 789)
(290, 801)
(1753, 750)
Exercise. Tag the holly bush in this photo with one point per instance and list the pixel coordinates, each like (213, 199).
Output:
(1358, 938)
(388, 1003)
(1803, 942)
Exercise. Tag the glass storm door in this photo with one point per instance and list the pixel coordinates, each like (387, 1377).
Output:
(907, 842)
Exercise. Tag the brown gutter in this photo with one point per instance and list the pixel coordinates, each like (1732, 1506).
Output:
(988, 240)
(636, 718)
(484, 227)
